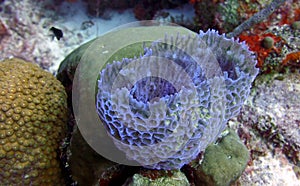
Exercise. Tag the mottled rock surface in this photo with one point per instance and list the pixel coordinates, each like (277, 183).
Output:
(269, 126)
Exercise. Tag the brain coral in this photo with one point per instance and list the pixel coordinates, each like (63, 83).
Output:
(32, 120)
(165, 107)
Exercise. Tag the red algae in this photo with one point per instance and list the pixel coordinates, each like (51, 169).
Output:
(292, 59)
(254, 43)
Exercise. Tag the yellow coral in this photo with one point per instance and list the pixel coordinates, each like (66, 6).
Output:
(33, 112)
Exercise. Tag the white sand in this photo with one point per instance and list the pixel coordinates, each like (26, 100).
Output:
(33, 42)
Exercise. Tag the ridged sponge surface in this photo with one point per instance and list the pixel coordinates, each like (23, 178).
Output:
(165, 107)
(33, 112)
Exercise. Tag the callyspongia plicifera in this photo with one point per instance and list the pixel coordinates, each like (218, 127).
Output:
(166, 106)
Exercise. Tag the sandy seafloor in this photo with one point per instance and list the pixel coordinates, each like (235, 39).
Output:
(28, 37)
(29, 21)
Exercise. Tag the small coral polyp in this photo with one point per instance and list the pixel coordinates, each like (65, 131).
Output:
(164, 108)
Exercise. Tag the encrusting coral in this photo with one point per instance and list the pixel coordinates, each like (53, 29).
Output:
(165, 125)
(33, 112)
(223, 162)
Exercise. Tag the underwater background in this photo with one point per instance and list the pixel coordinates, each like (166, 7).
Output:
(260, 145)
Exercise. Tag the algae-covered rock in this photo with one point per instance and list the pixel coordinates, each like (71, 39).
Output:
(223, 162)
(33, 112)
(173, 178)
(86, 164)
